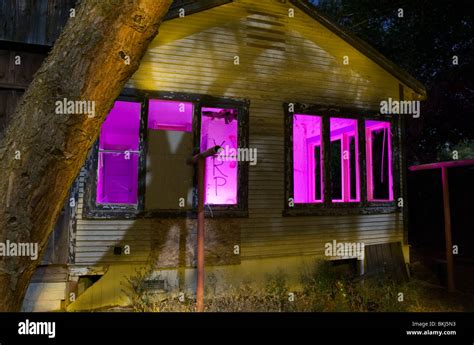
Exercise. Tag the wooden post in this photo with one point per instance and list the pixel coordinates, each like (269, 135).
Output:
(447, 230)
(200, 237)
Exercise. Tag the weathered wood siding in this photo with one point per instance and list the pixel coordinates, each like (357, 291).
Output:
(167, 242)
(94, 240)
(16, 72)
(282, 59)
(33, 21)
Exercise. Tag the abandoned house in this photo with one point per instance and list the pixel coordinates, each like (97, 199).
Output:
(294, 95)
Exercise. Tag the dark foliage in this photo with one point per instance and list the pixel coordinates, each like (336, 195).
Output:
(423, 42)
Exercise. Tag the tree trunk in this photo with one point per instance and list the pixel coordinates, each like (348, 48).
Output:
(42, 150)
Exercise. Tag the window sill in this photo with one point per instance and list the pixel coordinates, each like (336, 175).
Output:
(340, 209)
(161, 214)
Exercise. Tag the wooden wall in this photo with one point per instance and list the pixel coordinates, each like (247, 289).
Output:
(14, 79)
(33, 21)
(27, 29)
(282, 59)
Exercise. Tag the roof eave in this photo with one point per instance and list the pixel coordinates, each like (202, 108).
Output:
(193, 7)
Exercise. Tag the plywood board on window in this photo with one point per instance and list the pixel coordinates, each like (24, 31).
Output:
(169, 178)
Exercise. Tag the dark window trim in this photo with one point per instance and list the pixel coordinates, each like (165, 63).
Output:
(99, 211)
(327, 207)
(94, 210)
(242, 177)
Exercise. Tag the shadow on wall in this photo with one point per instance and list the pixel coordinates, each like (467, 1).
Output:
(167, 244)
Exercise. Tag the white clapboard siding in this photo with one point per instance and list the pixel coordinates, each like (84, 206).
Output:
(196, 54)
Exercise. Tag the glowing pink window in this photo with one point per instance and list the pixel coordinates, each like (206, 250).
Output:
(379, 161)
(307, 159)
(344, 165)
(170, 115)
(117, 175)
(220, 127)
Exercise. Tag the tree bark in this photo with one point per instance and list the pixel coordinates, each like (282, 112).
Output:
(42, 151)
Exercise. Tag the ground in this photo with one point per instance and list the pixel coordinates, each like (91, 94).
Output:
(324, 288)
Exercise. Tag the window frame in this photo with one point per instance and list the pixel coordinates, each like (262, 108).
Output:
(93, 210)
(327, 207)
(369, 163)
(345, 164)
(242, 106)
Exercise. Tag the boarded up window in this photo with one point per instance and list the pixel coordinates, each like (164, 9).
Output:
(169, 180)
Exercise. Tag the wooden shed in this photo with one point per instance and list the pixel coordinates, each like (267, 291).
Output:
(296, 97)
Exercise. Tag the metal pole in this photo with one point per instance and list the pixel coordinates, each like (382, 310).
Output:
(200, 160)
(447, 230)
(200, 237)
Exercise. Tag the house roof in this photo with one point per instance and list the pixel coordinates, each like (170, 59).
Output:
(40, 34)
(193, 6)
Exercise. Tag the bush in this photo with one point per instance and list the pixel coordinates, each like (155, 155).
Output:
(141, 299)
(464, 149)
(324, 288)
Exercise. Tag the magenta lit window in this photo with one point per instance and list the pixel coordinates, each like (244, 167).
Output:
(307, 159)
(117, 174)
(220, 127)
(379, 161)
(344, 165)
(170, 115)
